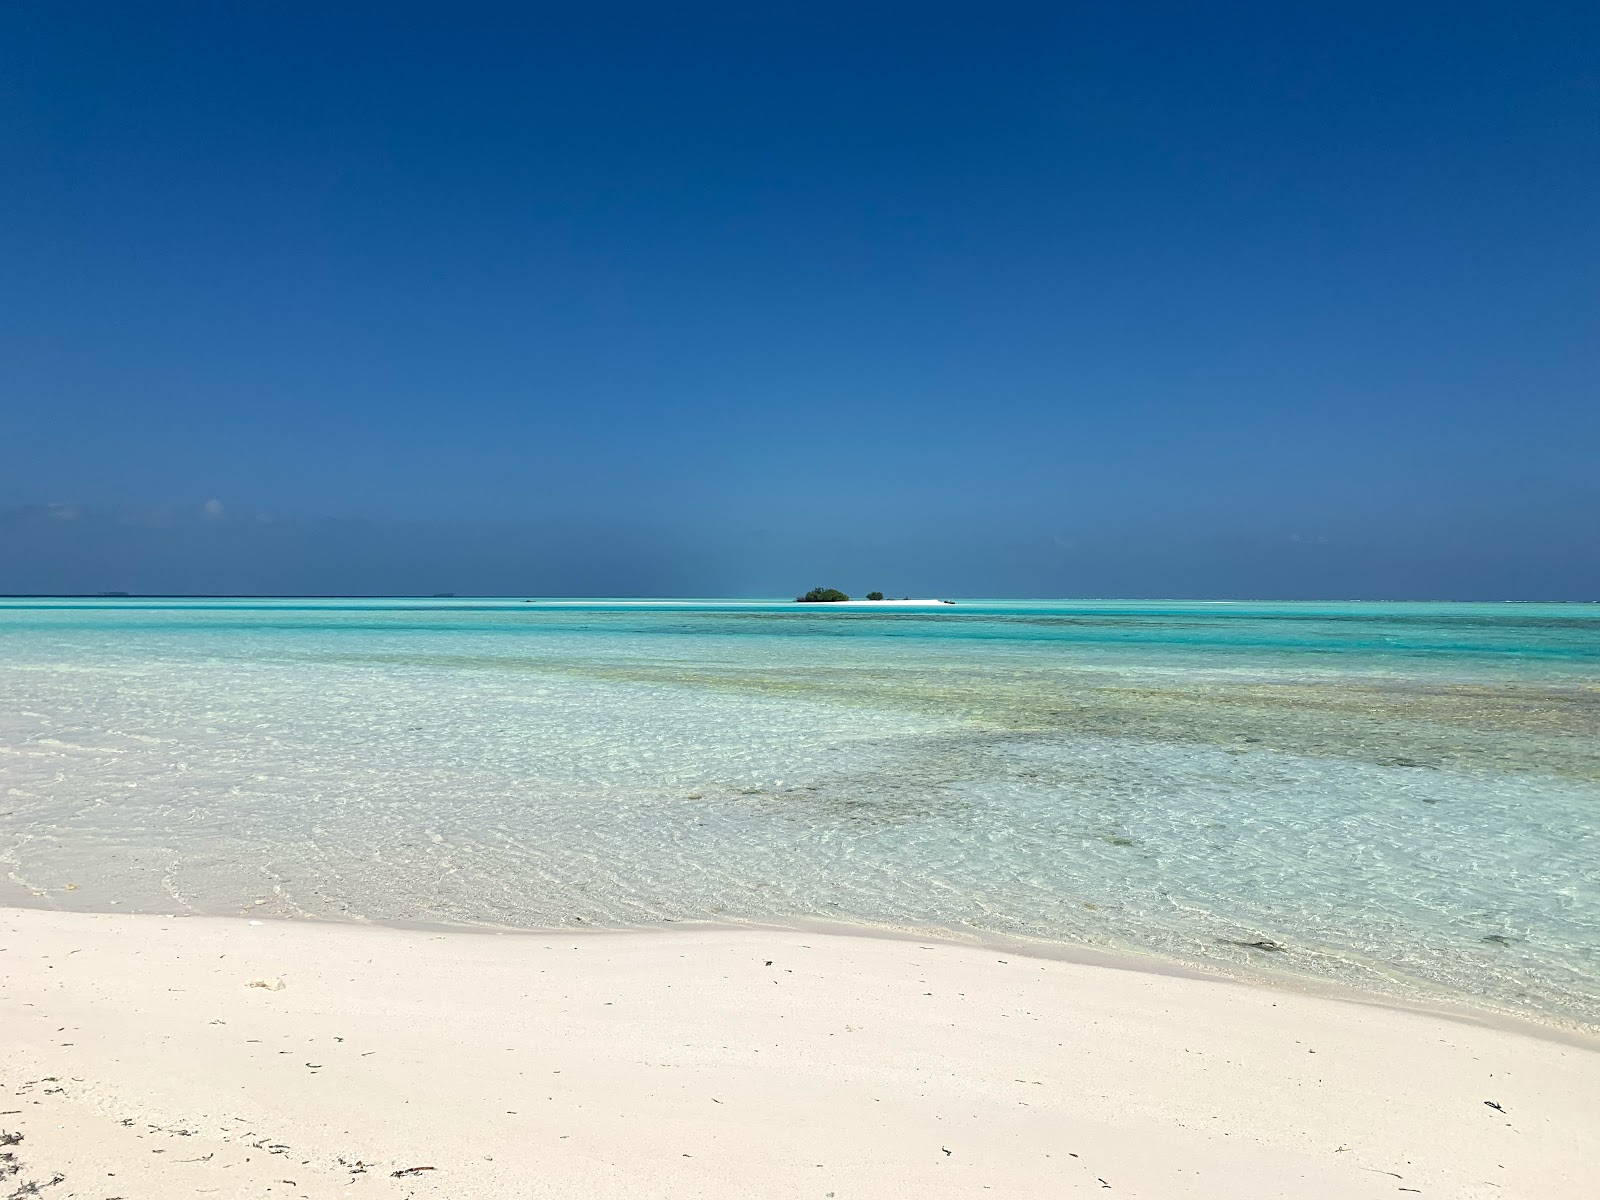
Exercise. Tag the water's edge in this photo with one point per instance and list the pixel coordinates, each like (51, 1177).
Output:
(1546, 1027)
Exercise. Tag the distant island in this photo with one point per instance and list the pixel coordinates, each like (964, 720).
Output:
(827, 595)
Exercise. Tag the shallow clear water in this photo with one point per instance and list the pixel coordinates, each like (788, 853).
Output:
(1405, 797)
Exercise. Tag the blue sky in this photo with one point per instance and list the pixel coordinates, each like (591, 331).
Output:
(1045, 300)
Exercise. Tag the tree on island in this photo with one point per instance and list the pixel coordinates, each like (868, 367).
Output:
(874, 595)
(821, 595)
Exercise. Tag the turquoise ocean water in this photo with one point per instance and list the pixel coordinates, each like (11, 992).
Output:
(1403, 797)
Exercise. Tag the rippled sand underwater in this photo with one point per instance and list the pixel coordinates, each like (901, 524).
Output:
(1404, 798)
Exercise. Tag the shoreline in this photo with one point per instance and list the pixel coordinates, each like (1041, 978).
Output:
(738, 1061)
(906, 603)
(1467, 1010)
(1569, 1031)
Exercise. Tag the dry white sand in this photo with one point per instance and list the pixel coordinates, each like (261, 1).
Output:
(856, 605)
(138, 1063)
(827, 604)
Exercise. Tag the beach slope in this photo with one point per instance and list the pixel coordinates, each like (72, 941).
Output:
(138, 1061)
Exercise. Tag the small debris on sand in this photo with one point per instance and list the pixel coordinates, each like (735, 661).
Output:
(272, 984)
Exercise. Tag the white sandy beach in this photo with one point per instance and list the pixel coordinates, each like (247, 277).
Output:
(905, 603)
(138, 1062)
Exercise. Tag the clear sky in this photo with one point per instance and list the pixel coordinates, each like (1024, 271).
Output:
(1234, 300)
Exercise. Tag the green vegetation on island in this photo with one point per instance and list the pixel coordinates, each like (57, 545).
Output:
(822, 595)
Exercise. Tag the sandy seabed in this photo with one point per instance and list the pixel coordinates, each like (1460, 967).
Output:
(150, 1057)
